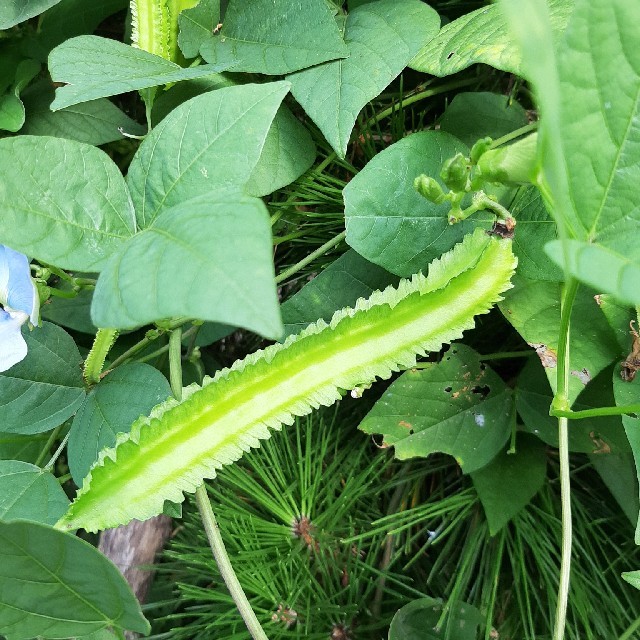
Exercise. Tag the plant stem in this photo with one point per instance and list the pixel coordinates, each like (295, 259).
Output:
(311, 257)
(224, 565)
(514, 134)
(625, 409)
(628, 634)
(47, 445)
(206, 512)
(57, 453)
(95, 360)
(423, 95)
(561, 401)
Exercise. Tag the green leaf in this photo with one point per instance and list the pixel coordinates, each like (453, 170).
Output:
(457, 406)
(474, 115)
(14, 12)
(110, 408)
(208, 258)
(29, 493)
(16, 447)
(72, 313)
(334, 93)
(618, 472)
(197, 25)
(193, 152)
(339, 285)
(73, 590)
(523, 472)
(419, 620)
(63, 202)
(602, 268)
(44, 389)
(628, 392)
(481, 36)
(533, 308)
(215, 424)
(275, 36)
(633, 578)
(388, 222)
(11, 112)
(92, 67)
(96, 122)
(287, 153)
(592, 180)
(597, 436)
(71, 18)
(534, 230)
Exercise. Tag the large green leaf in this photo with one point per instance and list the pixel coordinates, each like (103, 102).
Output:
(208, 258)
(419, 620)
(340, 285)
(633, 578)
(533, 308)
(13, 12)
(476, 114)
(481, 36)
(197, 25)
(387, 221)
(592, 176)
(209, 143)
(275, 36)
(597, 436)
(92, 67)
(63, 202)
(111, 408)
(457, 406)
(29, 493)
(44, 389)
(55, 585)
(618, 472)
(628, 392)
(523, 472)
(96, 122)
(381, 38)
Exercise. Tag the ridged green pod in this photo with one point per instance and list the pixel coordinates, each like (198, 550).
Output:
(180, 444)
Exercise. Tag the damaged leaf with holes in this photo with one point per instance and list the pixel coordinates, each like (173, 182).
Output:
(457, 406)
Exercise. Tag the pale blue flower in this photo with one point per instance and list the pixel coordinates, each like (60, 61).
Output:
(19, 300)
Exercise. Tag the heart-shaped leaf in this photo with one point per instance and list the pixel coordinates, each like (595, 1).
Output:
(381, 39)
(458, 406)
(29, 493)
(209, 143)
(275, 36)
(208, 258)
(44, 389)
(73, 589)
(63, 202)
(92, 67)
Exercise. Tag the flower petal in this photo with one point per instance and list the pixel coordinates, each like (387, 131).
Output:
(17, 289)
(13, 348)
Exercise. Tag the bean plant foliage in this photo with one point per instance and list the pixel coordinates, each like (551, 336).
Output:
(237, 213)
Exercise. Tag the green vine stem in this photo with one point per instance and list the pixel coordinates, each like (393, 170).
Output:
(94, 363)
(212, 531)
(311, 257)
(625, 409)
(561, 401)
(224, 565)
